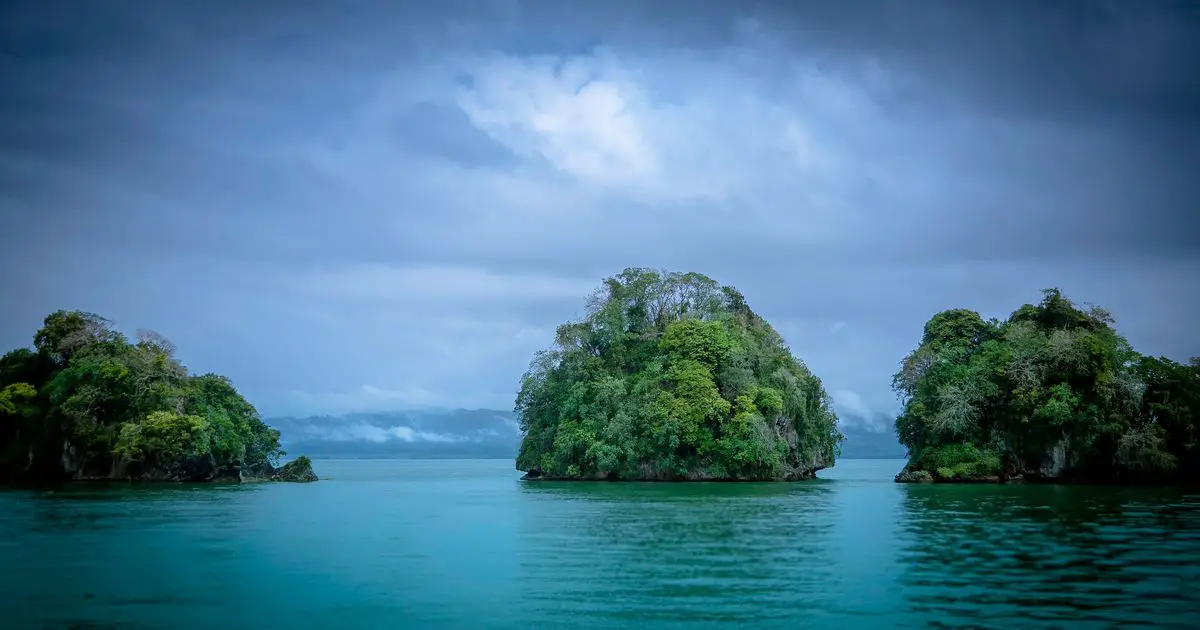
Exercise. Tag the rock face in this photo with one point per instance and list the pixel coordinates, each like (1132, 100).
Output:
(71, 462)
(189, 469)
(1053, 464)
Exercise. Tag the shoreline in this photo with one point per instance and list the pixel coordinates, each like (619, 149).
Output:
(914, 478)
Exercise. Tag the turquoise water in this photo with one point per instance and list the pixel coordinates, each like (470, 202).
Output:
(464, 544)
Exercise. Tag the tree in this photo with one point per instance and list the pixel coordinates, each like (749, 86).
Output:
(671, 376)
(113, 402)
(64, 333)
(1053, 390)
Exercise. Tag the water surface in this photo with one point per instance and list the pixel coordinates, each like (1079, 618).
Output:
(464, 544)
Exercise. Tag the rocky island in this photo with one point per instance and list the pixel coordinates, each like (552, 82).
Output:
(671, 376)
(1053, 393)
(85, 403)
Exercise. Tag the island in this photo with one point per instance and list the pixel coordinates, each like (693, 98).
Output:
(85, 403)
(671, 377)
(1052, 394)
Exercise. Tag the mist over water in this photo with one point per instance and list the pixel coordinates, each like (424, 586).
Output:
(465, 544)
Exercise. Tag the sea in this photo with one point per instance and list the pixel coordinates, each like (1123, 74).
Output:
(466, 544)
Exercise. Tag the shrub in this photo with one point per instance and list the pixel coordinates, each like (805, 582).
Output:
(959, 461)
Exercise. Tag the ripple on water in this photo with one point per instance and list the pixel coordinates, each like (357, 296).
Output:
(465, 545)
(1061, 556)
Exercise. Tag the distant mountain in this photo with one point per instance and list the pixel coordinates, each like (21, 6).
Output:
(466, 433)
(871, 442)
(483, 434)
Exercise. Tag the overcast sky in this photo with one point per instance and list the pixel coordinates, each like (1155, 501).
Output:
(378, 205)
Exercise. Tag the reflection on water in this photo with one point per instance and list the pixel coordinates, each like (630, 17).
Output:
(1054, 556)
(420, 544)
(676, 554)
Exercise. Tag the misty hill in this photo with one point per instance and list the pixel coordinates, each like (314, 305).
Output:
(484, 434)
(466, 433)
(871, 442)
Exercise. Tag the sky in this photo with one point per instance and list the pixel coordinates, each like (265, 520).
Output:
(364, 206)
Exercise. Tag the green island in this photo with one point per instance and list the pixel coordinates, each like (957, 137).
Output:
(671, 376)
(1052, 394)
(87, 404)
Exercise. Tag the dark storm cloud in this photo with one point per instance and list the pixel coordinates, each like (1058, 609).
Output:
(369, 204)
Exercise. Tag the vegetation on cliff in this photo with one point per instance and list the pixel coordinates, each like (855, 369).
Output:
(1054, 392)
(671, 376)
(86, 403)
(299, 469)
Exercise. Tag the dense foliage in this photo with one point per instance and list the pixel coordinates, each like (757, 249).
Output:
(86, 402)
(1053, 392)
(671, 376)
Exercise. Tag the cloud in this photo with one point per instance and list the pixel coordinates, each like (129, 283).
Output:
(854, 413)
(434, 283)
(644, 133)
(586, 126)
(348, 432)
(396, 206)
(851, 402)
(410, 435)
(414, 427)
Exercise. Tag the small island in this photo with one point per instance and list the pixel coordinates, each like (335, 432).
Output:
(1052, 394)
(672, 377)
(87, 404)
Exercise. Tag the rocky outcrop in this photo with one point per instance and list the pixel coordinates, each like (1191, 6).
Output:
(908, 475)
(200, 469)
(1058, 462)
(924, 476)
(298, 470)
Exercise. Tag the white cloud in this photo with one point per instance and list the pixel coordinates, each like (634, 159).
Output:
(341, 432)
(408, 434)
(630, 123)
(851, 402)
(586, 126)
(854, 412)
(692, 158)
